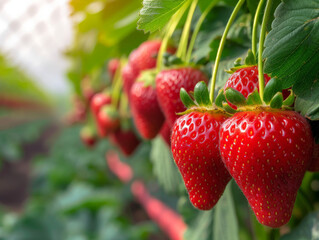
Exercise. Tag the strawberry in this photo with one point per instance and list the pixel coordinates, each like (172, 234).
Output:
(126, 140)
(144, 57)
(267, 152)
(166, 133)
(88, 137)
(129, 76)
(195, 150)
(99, 100)
(168, 84)
(107, 120)
(245, 81)
(113, 66)
(146, 111)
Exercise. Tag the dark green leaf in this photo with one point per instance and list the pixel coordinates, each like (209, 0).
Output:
(307, 102)
(292, 46)
(272, 87)
(225, 216)
(277, 100)
(235, 97)
(186, 99)
(201, 94)
(254, 98)
(155, 14)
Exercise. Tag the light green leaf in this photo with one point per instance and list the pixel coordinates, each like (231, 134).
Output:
(201, 228)
(156, 13)
(292, 46)
(164, 166)
(225, 216)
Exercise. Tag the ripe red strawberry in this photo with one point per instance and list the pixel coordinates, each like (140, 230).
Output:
(99, 100)
(107, 120)
(267, 152)
(129, 76)
(245, 81)
(166, 133)
(126, 140)
(168, 84)
(146, 111)
(314, 165)
(144, 57)
(113, 66)
(195, 150)
(88, 137)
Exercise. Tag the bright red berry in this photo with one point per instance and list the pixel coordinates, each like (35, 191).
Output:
(126, 140)
(129, 76)
(195, 150)
(113, 66)
(144, 57)
(99, 100)
(267, 152)
(146, 112)
(107, 120)
(168, 85)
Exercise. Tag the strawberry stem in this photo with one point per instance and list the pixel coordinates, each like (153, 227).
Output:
(170, 30)
(182, 48)
(117, 85)
(123, 105)
(261, 49)
(255, 28)
(221, 47)
(196, 30)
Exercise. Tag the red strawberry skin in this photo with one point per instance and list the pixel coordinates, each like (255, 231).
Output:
(267, 153)
(195, 150)
(99, 100)
(113, 66)
(146, 111)
(314, 166)
(106, 123)
(166, 133)
(126, 140)
(144, 57)
(168, 85)
(129, 76)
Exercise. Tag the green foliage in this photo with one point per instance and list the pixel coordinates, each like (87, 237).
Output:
(225, 216)
(164, 167)
(292, 47)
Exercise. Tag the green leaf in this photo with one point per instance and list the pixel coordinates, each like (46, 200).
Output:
(201, 94)
(225, 216)
(308, 229)
(155, 14)
(292, 46)
(235, 97)
(272, 87)
(186, 99)
(277, 100)
(290, 99)
(201, 227)
(307, 101)
(254, 98)
(250, 59)
(220, 98)
(164, 166)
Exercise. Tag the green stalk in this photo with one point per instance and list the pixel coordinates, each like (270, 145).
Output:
(221, 47)
(171, 28)
(261, 49)
(255, 27)
(182, 48)
(117, 85)
(196, 30)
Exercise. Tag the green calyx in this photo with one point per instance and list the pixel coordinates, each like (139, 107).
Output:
(249, 61)
(110, 111)
(200, 101)
(148, 77)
